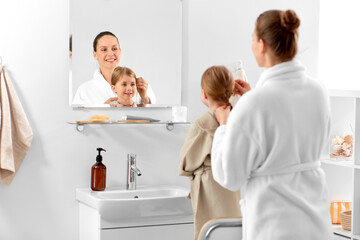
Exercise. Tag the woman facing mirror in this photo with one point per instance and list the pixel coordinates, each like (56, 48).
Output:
(98, 90)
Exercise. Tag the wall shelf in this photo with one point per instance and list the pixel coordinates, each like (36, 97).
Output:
(344, 93)
(340, 231)
(168, 124)
(340, 162)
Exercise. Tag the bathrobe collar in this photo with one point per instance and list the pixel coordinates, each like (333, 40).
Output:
(282, 71)
(100, 79)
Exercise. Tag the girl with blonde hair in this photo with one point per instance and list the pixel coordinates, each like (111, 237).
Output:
(123, 83)
(209, 200)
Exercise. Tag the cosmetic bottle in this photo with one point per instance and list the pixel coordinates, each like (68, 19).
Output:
(240, 72)
(98, 173)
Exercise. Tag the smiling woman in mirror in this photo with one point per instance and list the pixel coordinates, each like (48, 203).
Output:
(99, 90)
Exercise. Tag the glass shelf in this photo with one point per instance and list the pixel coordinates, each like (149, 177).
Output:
(169, 124)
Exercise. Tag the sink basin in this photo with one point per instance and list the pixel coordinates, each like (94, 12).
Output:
(145, 193)
(145, 205)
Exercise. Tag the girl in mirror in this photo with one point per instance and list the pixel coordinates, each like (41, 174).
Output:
(123, 83)
(209, 200)
(106, 50)
(270, 144)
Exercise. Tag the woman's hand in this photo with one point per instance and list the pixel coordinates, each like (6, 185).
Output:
(110, 100)
(241, 87)
(142, 87)
(222, 114)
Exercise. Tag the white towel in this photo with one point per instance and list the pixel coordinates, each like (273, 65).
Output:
(15, 131)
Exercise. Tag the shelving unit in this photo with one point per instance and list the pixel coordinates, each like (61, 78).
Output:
(352, 103)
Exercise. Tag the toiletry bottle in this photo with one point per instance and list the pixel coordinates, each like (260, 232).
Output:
(98, 173)
(240, 72)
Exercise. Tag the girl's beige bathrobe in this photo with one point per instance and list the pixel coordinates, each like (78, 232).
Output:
(209, 200)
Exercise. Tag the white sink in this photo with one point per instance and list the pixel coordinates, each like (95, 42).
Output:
(162, 204)
(144, 193)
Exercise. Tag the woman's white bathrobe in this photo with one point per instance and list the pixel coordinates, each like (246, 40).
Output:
(270, 148)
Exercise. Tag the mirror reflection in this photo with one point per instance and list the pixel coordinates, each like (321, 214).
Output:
(130, 91)
(134, 37)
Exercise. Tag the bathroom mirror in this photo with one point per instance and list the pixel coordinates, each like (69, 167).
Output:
(149, 34)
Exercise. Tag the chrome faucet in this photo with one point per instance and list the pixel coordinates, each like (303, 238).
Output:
(131, 171)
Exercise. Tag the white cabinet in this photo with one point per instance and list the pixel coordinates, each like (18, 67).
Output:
(344, 175)
(173, 232)
(93, 227)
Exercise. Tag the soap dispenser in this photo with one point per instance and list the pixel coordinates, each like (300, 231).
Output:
(98, 173)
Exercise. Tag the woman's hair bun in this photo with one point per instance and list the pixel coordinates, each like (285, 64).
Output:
(290, 22)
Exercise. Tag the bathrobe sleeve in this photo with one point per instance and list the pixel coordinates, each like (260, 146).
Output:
(235, 152)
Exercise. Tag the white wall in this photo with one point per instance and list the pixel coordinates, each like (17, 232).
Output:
(219, 32)
(40, 203)
(338, 55)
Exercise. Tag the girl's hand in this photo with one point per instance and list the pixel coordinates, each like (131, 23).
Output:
(222, 114)
(142, 87)
(241, 87)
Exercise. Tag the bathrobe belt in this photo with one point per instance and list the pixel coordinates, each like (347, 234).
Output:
(291, 169)
(201, 170)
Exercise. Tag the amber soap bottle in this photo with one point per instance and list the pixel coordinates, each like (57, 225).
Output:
(98, 173)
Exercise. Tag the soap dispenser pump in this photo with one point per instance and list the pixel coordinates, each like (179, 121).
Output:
(98, 173)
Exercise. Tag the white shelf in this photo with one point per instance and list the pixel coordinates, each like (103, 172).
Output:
(344, 93)
(337, 228)
(340, 162)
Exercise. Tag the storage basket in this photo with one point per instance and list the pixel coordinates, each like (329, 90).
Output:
(337, 207)
(345, 219)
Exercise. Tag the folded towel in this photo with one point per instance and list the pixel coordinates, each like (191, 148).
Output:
(15, 131)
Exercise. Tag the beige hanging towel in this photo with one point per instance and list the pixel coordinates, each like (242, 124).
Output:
(15, 131)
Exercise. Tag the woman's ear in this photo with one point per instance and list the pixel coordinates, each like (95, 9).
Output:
(263, 46)
(95, 55)
(113, 88)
